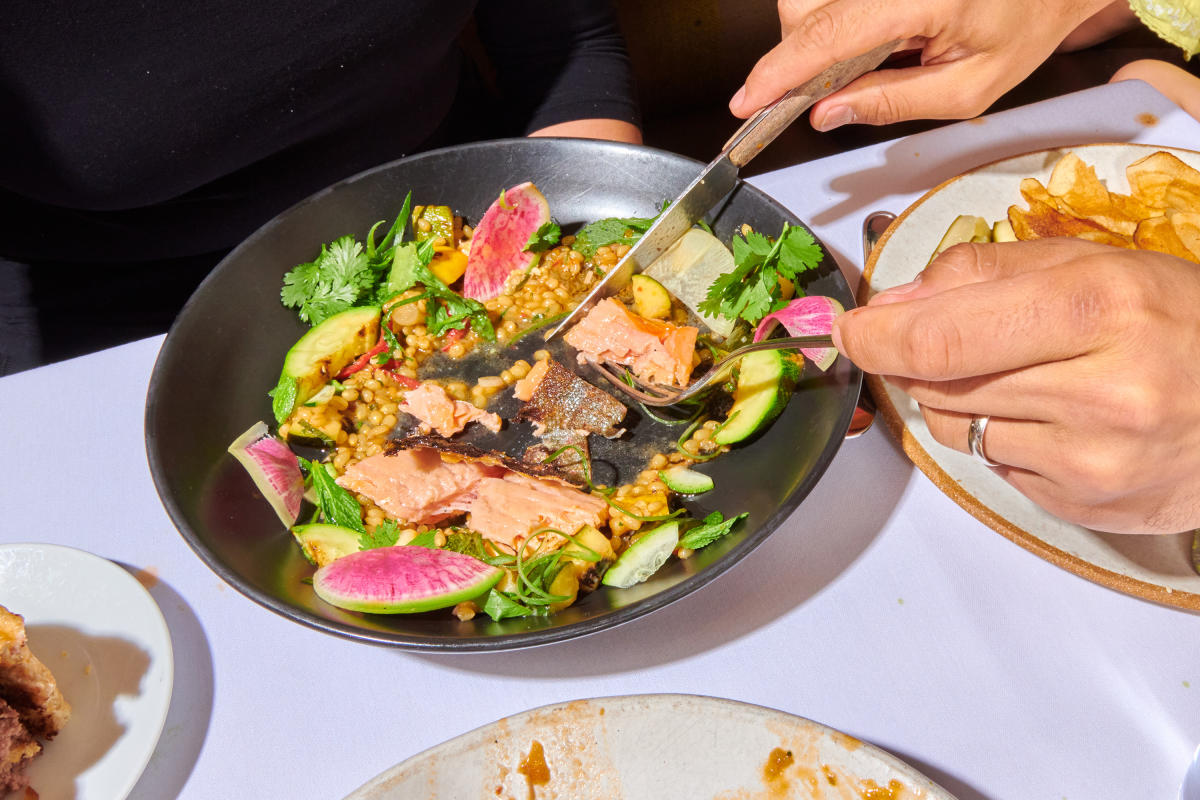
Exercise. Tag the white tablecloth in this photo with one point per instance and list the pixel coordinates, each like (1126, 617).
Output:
(879, 608)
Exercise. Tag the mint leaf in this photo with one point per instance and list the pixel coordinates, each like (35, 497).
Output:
(613, 230)
(500, 605)
(336, 504)
(385, 535)
(707, 532)
(283, 398)
(544, 238)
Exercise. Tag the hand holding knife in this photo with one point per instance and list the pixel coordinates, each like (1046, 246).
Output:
(720, 176)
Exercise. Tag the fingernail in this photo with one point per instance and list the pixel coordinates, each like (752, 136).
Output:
(836, 334)
(896, 293)
(836, 117)
(738, 98)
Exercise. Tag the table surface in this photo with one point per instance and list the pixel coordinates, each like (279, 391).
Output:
(880, 607)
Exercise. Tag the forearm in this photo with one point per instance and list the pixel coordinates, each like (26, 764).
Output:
(612, 129)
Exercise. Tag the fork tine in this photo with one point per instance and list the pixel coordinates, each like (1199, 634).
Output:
(636, 389)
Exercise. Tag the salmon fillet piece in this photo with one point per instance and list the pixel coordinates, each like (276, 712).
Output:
(563, 401)
(655, 351)
(416, 485)
(509, 508)
(438, 411)
(524, 388)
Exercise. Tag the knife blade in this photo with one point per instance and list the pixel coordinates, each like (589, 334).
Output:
(720, 176)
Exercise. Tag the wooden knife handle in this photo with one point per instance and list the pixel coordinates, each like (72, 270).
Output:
(761, 129)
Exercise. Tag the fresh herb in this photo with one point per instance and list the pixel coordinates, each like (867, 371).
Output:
(385, 534)
(336, 504)
(338, 279)
(536, 326)
(394, 349)
(427, 539)
(316, 433)
(613, 230)
(469, 543)
(752, 290)
(544, 238)
(283, 398)
(502, 605)
(531, 595)
(446, 309)
(712, 528)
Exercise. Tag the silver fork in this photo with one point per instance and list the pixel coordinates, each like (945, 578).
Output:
(657, 394)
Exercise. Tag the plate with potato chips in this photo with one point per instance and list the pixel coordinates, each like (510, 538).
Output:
(1125, 195)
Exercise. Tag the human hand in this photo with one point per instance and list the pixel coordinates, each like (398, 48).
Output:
(972, 51)
(1086, 358)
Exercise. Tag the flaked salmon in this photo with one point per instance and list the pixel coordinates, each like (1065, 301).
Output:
(430, 480)
(510, 508)
(416, 485)
(439, 412)
(525, 387)
(655, 351)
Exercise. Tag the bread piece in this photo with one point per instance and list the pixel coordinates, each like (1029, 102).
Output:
(26, 684)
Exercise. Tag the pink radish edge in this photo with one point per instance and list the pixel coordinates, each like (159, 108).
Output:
(273, 468)
(805, 316)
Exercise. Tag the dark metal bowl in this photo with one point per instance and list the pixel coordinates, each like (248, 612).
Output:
(225, 350)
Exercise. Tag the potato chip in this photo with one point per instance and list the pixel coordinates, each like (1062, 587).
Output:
(1080, 193)
(1043, 221)
(1157, 233)
(1163, 181)
(1187, 227)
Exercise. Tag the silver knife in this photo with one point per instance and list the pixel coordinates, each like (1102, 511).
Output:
(720, 176)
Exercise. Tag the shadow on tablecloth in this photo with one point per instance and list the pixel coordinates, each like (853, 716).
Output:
(188, 717)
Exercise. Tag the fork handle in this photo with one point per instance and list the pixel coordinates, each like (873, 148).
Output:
(762, 128)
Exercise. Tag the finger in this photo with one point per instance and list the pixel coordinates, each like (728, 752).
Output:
(997, 326)
(1022, 394)
(793, 13)
(1016, 443)
(969, 263)
(954, 90)
(829, 33)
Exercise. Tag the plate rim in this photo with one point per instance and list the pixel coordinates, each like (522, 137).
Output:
(510, 641)
(166, 652)
(892, 761)
(923, 460)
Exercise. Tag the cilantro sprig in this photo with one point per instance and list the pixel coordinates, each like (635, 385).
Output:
(752, 290)
(345, 274)
(543, 238)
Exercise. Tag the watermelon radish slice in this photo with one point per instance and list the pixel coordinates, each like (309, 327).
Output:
(273, 468)
(403, 580)
(805, 316)
(498, 244)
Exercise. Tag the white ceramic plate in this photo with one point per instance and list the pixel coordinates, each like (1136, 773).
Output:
(1152, 567)
(661, 746)
(103, 637)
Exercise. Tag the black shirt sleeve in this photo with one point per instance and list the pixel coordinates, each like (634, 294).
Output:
(558, 60)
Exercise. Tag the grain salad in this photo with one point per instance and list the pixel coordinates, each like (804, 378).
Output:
(397, 409)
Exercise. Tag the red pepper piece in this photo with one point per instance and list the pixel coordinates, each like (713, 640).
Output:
(362, 361)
